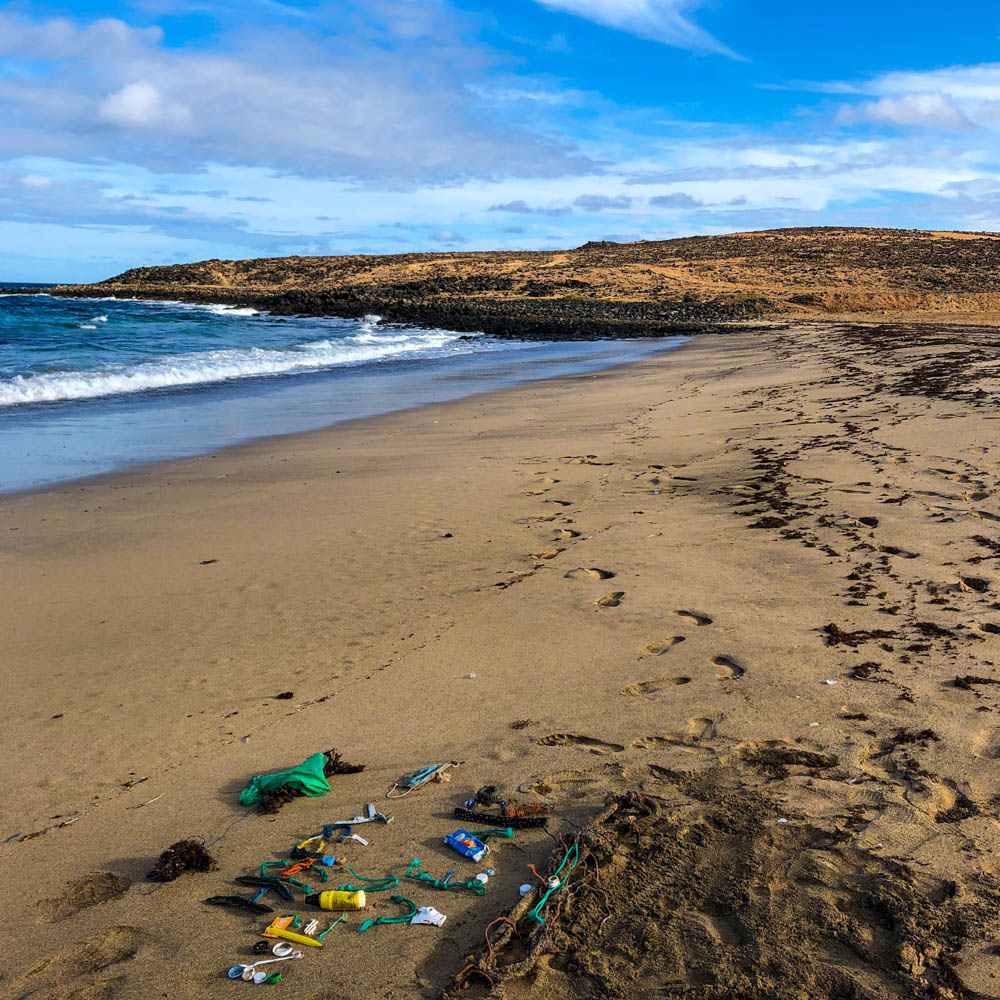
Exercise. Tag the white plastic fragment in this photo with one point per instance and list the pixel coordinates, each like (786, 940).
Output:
(830, 682)
(428, 915)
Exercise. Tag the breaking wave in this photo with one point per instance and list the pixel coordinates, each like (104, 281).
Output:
(183, 370)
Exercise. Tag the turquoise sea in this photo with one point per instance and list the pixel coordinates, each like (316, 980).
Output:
(88, 386)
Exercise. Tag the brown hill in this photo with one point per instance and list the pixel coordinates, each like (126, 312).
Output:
(608, 289)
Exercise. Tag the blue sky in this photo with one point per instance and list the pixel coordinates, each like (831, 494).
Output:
(159, 131)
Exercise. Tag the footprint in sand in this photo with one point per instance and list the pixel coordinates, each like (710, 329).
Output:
(729, 668)
(990, 627)
(560, 503)
(649, 687)
(984, 515)
(611, 600)
(591, 572)
(547, 554)
(550, 480)
(973, 584)
(868, 522)
(775, 757)
(535, 493)
(659, 648)
(576, 784)
(703, 728)
(100, 887)
(987, 744)
(568, 533)
(895, 550)
(97, 954)
(696, 616)
(571, 739)
(653, 742)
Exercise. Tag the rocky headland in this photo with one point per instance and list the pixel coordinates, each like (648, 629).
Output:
(603, 289)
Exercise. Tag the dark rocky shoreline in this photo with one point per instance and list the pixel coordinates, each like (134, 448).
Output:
(512, 318)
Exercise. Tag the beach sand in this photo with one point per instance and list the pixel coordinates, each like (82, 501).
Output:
(800, 526)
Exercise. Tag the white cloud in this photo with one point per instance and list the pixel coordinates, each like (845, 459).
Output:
(449, 237)
(961, 83)
(142, 105)
(912, 110)
(389, 102)
(956, 98)
(659, 20)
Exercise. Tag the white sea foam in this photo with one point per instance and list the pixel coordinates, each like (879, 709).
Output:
(98, 319)
(369, 344)
(216, 308)
(87, 326)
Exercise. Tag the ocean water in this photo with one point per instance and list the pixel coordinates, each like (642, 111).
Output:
(89, 386)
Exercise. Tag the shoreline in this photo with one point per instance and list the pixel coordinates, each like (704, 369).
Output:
(374, 387)
(370, 568)
(281, 439)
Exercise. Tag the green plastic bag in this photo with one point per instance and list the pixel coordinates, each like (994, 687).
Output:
(307, 778)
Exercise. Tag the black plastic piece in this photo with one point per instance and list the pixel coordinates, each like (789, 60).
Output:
(517, 822)
(261, 882)
(239, 903)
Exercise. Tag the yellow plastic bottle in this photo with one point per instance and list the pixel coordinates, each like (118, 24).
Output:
(334, 899)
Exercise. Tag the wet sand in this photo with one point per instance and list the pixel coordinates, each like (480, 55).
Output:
(654, 573)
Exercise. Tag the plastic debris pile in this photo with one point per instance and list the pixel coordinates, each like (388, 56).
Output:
(304, 876)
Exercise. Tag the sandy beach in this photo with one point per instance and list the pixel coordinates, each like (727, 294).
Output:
(752, 580)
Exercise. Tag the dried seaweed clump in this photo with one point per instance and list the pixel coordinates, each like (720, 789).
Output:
(335, 764)
(184, 856)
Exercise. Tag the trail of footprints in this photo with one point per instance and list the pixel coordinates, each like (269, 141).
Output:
(698, 728)
(729, 668)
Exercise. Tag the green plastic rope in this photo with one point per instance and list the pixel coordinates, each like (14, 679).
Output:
(473, 885)
(319, 937)
(536, 912)
(403, 918)
(373, 884)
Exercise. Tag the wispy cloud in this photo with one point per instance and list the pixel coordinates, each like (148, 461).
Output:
(602, 202)
(676, 200)
(663, 21)
(39, 200)
(521, 207)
